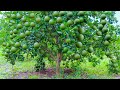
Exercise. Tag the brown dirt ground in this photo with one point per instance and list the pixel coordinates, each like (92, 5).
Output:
(44, 74)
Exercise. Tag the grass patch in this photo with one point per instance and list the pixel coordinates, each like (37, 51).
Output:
(33, 77)
(24, 66)
(100, 69)
(6, 68)
(86, 68)
(100, 77)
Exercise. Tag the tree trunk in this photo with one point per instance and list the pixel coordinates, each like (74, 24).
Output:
(59, 58)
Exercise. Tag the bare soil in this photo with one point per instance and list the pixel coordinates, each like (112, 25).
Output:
(44, 74)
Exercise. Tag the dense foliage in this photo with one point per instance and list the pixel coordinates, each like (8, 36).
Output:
(60, 35)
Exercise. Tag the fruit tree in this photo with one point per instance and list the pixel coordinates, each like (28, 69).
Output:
(58, 35)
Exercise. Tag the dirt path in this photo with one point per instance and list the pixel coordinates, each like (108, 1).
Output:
(40, 75)
(118, 77)
(5, 68)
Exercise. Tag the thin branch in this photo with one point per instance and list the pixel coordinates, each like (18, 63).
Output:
(49, 51)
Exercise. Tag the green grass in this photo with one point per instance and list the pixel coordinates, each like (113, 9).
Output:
(98, 72)
(6, 68)
(33, 77)
(100, 77)
(24, 66)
